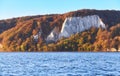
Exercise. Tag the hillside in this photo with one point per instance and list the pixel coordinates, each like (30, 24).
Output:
(31, 33)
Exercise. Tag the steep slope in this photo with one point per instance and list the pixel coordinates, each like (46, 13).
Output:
(30, 33)
(7, 24)
(73, 25)
(109, 17)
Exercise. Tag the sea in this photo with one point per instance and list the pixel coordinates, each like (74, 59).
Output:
(59, 64)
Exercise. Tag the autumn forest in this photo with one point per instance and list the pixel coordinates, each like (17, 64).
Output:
(17, 34)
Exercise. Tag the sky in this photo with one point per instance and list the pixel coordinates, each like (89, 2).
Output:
(18, 8)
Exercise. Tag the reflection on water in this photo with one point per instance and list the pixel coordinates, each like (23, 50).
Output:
(59, 64)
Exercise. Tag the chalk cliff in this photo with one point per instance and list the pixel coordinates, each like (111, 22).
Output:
(73, 25)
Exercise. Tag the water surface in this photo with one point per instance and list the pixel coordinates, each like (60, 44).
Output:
(59, 64)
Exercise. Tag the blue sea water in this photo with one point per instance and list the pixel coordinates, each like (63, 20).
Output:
(59, 64)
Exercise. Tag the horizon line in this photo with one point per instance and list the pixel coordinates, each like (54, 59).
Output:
(20, 16)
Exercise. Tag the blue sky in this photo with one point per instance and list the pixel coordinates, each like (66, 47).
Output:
(16, 8)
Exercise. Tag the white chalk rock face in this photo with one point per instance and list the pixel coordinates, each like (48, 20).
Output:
(73, 25)
(36, 37)
(54, 35)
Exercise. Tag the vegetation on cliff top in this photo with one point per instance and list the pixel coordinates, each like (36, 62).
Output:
(17, 34)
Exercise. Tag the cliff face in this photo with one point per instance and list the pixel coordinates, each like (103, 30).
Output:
(54, 35)
(24, 32)
(73, 25)
(109, 17)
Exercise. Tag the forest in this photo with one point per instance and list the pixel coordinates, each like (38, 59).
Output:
(17, 34)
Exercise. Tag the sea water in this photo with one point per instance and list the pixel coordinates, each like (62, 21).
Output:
(59, 64)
